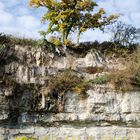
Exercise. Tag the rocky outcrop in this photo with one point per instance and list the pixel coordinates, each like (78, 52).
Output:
(26, 108)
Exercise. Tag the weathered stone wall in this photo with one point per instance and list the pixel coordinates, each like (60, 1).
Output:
(104, 114)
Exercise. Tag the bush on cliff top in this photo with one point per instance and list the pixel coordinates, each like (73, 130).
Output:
(68, 81)
(124, 80)
(11, 40)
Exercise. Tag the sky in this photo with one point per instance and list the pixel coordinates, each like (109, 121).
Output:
(17, 18)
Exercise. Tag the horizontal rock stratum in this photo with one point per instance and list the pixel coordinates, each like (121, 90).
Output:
(27, 108)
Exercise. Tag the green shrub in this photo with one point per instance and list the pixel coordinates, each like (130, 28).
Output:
(103, 79)
(68, 42)
(25, 138)
(55, 41)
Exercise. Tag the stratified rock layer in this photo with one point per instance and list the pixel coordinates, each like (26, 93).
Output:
(104, 114)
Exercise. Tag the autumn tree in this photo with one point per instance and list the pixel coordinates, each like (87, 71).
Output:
(67, 16)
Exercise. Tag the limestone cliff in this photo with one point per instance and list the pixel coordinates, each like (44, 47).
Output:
(26, 108)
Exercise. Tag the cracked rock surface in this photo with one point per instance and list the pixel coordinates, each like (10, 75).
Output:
(25, 110)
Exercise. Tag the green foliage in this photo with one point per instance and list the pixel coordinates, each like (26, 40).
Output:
(43, 34)
(56, 41)
(53, 40)
(103, 79)
(66, 16)
(25, 138)
(68, 42)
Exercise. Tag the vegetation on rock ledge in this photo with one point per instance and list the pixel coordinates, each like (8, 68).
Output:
(68, 81)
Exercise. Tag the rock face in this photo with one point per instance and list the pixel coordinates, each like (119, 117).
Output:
(104, 114)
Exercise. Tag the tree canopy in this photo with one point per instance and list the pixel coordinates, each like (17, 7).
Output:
(67, 16)
(125, 34)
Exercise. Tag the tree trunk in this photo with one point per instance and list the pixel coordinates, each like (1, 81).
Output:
(68, 31)
(63, 36)
(78, 36)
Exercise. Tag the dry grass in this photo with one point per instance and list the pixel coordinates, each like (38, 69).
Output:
(135, 66)
(7, 82)
(93, 70)
(121, 80)
(68, 81)
(124, 80)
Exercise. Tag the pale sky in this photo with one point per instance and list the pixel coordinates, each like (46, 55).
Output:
(16, 17)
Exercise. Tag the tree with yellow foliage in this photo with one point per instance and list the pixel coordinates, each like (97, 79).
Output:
(66, 16)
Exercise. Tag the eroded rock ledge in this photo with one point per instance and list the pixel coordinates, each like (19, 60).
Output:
(26, 110)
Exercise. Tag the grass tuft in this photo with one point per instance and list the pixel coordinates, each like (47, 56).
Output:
(68, 81)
